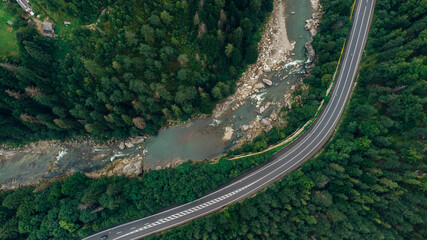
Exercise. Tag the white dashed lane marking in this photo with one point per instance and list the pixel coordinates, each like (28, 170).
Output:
(183, 213)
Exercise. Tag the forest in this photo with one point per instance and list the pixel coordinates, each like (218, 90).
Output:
(78, 205)
(368, 183)
(140, 65)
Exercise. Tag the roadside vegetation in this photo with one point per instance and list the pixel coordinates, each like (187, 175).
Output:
(369, 183)
(71, 211)
(78, 206)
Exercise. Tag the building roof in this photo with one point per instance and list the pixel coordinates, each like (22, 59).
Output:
(25, 5)
(47, 27)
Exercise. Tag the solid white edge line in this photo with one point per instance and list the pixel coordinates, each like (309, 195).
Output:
(272, 163)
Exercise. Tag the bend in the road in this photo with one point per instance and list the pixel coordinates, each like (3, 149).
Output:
(310, 143)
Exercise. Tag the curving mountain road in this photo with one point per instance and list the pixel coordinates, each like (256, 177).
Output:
(285, 161)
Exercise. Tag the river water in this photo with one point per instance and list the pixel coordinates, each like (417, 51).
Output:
(196, 140)
(202, 138)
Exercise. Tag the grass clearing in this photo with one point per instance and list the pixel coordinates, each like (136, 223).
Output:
(8, 44)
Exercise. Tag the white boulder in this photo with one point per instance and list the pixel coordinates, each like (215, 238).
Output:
(267, 82)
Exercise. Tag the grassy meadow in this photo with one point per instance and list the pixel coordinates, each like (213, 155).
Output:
(8, 45)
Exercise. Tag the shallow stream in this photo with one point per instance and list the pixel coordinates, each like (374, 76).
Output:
(196, 140)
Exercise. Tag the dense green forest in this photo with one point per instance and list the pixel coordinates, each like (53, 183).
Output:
(368, 183)
(140, 64)
(78, 206)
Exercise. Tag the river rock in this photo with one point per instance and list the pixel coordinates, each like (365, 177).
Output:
(177, 163)
(273, 116)
(262, 109)
(309, 23)
(129, 145)
(267, 124)
(267, 82)
(244, 127)
(315, 4)
(228, 133)
(259, 86)
(310, 51)
(122, 146)
(267, 69)
(133, 169)
(313, 31)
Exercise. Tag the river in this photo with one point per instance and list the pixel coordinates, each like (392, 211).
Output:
(195, 140)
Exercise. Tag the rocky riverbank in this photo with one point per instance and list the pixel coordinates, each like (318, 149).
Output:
(274, 50)
(277, 23)
(40, 147)
(312, 25)
(126, 157)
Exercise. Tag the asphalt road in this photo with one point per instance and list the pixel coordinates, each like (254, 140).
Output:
(286, 161)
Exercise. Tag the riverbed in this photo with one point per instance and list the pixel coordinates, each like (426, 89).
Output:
(196, 140)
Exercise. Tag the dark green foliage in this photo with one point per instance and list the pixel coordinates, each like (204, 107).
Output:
(369, 183)
(79, 206)
(334, 29)
(86, 10)
(150, 60)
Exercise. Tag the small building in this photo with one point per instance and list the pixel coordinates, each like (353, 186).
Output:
(66, 23)
(10, 22)
(48, 29)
